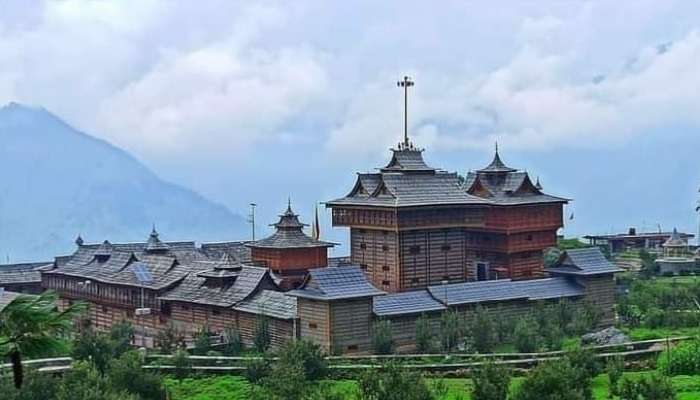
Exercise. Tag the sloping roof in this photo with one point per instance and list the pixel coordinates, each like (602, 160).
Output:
(154, 244)
(407, 159)
(237, 251)
(406, 303)
(197, 289)
(270, 303)
(508, 188)
(289, 234)
(586, 261)
(7, 297)
(505, 289)
(497, 165)
(675, 240)
(22, 273)
(335, 284)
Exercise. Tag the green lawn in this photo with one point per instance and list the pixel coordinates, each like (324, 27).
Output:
(638, 334)
(236, 388)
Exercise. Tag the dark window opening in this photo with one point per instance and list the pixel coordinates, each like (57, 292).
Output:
(352, 347)
(216, 312)
(385, 267)
(482, 271)
(312, 325)
(105, 310)
(529, 238)
(363, 266)
(385, 283)
(446, 247)
(184, 307)
(385, 248)
(415, 249)
(363, 246)
(415, 280)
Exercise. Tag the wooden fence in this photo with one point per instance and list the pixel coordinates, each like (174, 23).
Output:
(454, 362)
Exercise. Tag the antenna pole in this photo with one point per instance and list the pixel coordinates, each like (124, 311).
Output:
(405, 84)
(252, 219)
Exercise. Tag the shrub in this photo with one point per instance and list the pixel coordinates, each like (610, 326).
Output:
(482, 330)
(449, 330)
(382, 340)
(657, 387)
(126, 375)
(121, 335)
(526, 335)
(84, 382)
(424, 335)
(261, 334)
(169, 339)
(202, 341)
(182, 364)
(491, 382)
(552, 381)
(615, 368)
(684, 359)
(93, 347)
(257, 369)
(395, 383)
(234, 344)
(306, 355)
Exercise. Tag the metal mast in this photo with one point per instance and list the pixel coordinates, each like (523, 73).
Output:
(405, 84)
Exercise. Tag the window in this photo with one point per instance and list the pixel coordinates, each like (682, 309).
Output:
(529, 238)
(363, 246)
(482, 271)
(363, 266)
(105, 310)
(385, 248)
(415, 280)
(385, 283)
(312, 325)
(385, 267)
(352, 347)
(446, 247)
(216, 312)
(415, 249)
(185, 307)
(129, 314)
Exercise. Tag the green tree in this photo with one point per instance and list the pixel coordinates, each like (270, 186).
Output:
(32, 326)
(121, 335)
(93, 347)
(424, 335)
(382, 340)
(182, 364)
(127, 375)
(551, 381)
(392, 382)
(169, 339)
(657, 387)
(449, 330)
(491, 382)
(234, 344)
(261, 334)
(483, 330)
(526, 335)
(202, 341)
(615, 367)
(306, 355)
(84, 382)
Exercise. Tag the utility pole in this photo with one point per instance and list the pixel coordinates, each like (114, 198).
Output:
(405, 84)
(251, 218)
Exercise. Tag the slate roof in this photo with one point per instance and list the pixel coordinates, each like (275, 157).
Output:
(336, 284)
(154, 244)
(270, 303)
(7, 298)
(289, 234)
(509, 188)
(505, 289)
(237, 251)
(406, 303)
(225, 292)
(22, 273)
(497, 165)
(407, 182)
(586, 261)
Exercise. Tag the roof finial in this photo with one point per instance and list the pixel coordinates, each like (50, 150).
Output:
(289, 203)
(405, 84)
(79, 240)
(496, 146)
(153, 229)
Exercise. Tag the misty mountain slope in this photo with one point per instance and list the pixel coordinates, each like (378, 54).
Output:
(56, 182)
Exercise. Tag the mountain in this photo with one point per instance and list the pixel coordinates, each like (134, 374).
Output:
(56, 183)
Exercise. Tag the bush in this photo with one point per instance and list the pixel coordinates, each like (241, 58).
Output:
(657, 387)
(491, 382)
(234, 344)
(395, 383)
(482, 331)
(382, 340)
(202, 341)
(449, 330)
(684, 359)
(615, 368)
(424, 335)
(257, 369)
(126, 375)
(169, 339)
(93, 347)
(84, 382)
(182, 364)
(261, 334)
(552, 381)
(526, 335)
(121, 335)
(306, 355)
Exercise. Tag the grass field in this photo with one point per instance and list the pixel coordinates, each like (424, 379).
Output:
(236, 388)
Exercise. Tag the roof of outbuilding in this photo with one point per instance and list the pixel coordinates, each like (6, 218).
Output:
(22, 273)
(406, 303)
(336, 283)
(197, 288)
(505, 289)
(586, 261)
(289, 234)
(270, 303)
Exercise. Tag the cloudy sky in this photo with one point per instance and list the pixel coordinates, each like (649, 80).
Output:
(255, 101)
